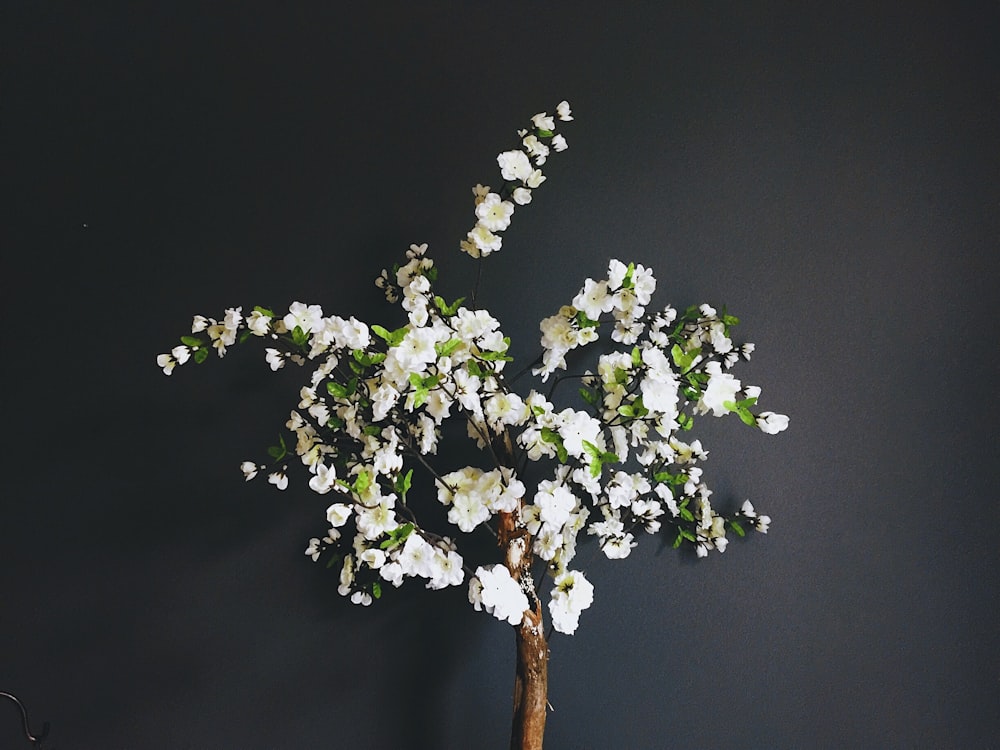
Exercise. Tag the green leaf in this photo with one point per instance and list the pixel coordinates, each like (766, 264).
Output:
(247, 333)
(200, 355)
(263, 311)
(589, 396)
(737, 528)
(367, 359)
(683, 359)
(742, 411)
(446, 309)
(336, 390)
(584, 322)
(688, 535)
(686, 514)
(361, 482)
(627, 281)
(636, 356)
(279, 451)
(376, 589)
(402, 483)
(299, 337)
(551, 436)
(474, 368)
(392, 338)
(678, 540)
(397, 536)
(445, 349)
(193, 341)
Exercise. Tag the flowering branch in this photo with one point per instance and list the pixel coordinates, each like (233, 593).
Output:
(616, 460)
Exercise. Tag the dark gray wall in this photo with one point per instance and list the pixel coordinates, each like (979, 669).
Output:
(830, 174)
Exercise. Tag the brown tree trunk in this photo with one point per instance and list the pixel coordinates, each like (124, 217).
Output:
(531, 679)
(531, 683)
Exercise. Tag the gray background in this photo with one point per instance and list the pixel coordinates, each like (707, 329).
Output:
(829, 173)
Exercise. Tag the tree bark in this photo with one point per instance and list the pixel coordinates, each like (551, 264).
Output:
(530, 683)
(531, 673)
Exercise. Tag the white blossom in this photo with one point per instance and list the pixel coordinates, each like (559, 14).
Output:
(772, 423)
(492, 589)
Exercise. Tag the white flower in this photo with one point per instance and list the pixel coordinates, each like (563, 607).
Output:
(447, 569)
(306, 317)
(361, 597)
(577, 427)
(522, 196)
(259, 323)
(722, 387)
(382, 401)
(494, 590)
(338, 513)
(563, 111)
(393, 573)
(559, 143)
(324, 479)
(480, 192)
(274, 358)
(468, 510)
(379, 520)
(483, 240)
(555, 503)
(249, 469)
(619, 547)
(536, 149)
(514, 165)
(181, 354)
(593, 299)
(314, 550)
(493, 213)
(416, 557)
(505, 408)
(543, 121)
(772, 423)
(166, 362)
(279, 479)
(373, 558)
(571, 594)
(535, 178)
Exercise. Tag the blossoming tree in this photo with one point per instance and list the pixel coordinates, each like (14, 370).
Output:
(610, 457)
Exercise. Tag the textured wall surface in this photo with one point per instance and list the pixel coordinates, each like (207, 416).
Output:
(831, 175)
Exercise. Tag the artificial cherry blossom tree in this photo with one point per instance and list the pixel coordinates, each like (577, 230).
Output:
(609, 451)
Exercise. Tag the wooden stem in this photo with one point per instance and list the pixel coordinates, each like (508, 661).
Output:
(530, 684)
(531, 675)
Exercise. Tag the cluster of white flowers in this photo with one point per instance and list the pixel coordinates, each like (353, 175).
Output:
(376, 400)
(521, 173)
